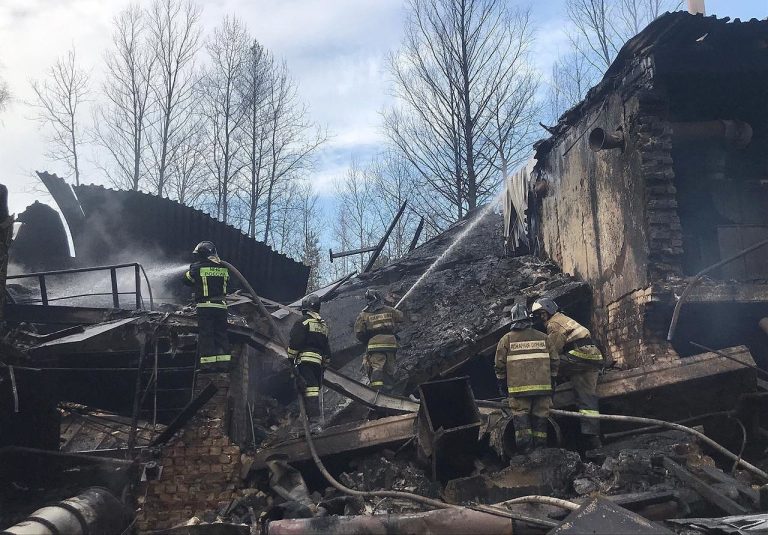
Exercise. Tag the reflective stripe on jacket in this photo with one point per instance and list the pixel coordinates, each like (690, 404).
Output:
(209, 279)
(376, 326)
(523, 357)
(573, 340)
(308, 341)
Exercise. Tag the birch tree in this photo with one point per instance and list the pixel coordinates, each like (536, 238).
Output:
(58, 106)
(121, 123)
(292, 139)
(175, 36)
(255, 89)
(223, 107)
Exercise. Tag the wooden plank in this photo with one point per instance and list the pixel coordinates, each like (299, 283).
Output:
(342, 439)
(664, 374)
(745, 490)
(720, 501)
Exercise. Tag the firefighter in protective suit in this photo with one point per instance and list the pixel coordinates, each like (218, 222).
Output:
(209, 279)
(376, 326)
(580, 361)
(524, 368)
(308, 345)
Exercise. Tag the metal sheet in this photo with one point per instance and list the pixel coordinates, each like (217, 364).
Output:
(603, 517)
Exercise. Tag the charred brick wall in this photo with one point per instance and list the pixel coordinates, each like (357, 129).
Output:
(634, 334)
(654, 142)
(610, 217)
(201, 466)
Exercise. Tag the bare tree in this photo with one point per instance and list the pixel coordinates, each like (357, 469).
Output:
(392, 183)
(58, 104)
(601, 27)
(292, 139)
(310, 218)
(188, 172)
(355, 198)
(457, 66)
(255, 92)
(5, 94)
(175, 39)
(571, 77)
(598, 29)
(121, 124)
(224, 108)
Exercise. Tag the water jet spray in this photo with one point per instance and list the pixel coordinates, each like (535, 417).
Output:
(444, 256)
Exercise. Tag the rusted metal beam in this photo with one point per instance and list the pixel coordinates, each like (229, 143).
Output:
(383, 242)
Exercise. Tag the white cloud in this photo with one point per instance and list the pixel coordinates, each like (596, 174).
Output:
(335, 50)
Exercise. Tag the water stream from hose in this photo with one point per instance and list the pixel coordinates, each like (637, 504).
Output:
(487, 209)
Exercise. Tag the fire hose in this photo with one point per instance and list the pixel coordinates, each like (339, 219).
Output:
(490, 509)
(255, 298)
(651, 421)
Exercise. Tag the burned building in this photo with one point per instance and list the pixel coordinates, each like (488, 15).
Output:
(660, 173)
(115, 226)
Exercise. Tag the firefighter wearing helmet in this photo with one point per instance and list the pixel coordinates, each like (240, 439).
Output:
(308, 346)
(377, 326)
(580, 362)
(209, 279)
(524, 366)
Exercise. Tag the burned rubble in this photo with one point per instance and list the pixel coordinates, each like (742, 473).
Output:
(109, 425)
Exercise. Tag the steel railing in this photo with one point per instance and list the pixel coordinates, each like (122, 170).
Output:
(115, 292)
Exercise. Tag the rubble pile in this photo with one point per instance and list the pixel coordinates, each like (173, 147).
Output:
(438, 325)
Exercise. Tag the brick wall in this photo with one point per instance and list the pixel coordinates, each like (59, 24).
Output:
(654, 141)
(201, 467)
(634, 338)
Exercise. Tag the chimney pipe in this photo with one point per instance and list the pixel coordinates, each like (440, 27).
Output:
(696, 7)
(599, 140)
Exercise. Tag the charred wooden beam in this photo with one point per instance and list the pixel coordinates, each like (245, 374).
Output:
(705, 491)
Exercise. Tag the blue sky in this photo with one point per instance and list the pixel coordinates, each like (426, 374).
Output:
(336, 50)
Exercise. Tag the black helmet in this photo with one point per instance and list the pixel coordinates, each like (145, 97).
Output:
(205, 249)
(372, 296)
(520, 317)
(311, 302)
(546, 304)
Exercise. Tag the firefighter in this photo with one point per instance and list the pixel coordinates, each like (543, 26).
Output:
(580, 361)
(308, 345)
(524, 369)
(209, 279)
(376, 326)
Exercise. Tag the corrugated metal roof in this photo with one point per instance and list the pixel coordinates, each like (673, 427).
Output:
(112, 225)
(669, 35)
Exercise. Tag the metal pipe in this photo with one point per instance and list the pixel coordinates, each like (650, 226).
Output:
(72, 270)
(342, 254)
(416, 236)
(95, 510)
(652, 421)
(727, 356)
(255, 298)
(599, 140)
(115, 290)
(443, 521)
(734, 133)
(698, 277)
(383, 241)
(399, 494)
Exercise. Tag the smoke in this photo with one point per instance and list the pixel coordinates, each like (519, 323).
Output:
(94, 288)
